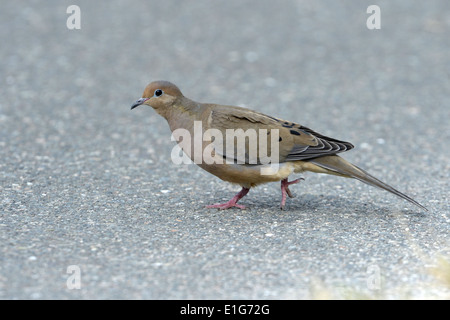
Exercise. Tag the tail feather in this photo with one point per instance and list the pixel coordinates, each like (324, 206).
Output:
(343, 167)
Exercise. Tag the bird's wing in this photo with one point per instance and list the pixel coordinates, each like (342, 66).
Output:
(294, 141)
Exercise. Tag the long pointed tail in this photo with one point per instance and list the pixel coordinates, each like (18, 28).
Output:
(343, 167)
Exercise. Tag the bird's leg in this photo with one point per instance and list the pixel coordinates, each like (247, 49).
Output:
(285, 190)
(232, 202)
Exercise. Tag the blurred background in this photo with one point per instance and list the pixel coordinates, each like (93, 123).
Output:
(84, 181)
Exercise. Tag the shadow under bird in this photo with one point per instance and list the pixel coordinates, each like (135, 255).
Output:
(299, 148)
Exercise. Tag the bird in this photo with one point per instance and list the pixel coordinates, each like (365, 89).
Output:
(297, 149)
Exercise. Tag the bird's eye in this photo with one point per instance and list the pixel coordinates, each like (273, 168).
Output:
(158, 92)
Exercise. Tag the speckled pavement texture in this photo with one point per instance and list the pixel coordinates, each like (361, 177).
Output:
(88, 185)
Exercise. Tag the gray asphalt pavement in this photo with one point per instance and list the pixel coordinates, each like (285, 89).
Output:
(91, 206)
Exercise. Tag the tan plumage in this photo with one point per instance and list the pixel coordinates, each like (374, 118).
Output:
(299, 148)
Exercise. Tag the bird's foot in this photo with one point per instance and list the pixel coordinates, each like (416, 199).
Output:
(285, 190)
(285, 184)
(223, 206)
(232, 202)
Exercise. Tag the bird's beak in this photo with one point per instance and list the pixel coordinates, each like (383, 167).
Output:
(138, 102)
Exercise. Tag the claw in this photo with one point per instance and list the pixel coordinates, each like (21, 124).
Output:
(223, 206)
(232, 202)
(285, 190)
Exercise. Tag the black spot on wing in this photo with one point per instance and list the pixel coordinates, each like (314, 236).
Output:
(325, 146)
(277, 120)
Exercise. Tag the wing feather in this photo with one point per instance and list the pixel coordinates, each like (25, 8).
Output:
(296, 141)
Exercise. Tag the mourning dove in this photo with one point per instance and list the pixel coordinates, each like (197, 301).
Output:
(258, 160)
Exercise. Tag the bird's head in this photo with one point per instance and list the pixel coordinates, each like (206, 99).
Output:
(159, 95)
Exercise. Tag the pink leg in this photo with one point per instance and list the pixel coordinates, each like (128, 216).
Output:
(285, 190)
(232, 202)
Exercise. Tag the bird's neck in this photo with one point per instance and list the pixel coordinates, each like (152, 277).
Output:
(183, 113)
